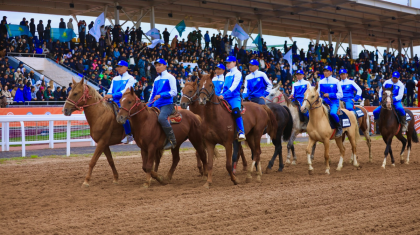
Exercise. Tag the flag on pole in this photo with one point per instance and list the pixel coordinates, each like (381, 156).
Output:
(239, 32)
(14, 30)
(155, 42)
(95, 31)
(154, 33)
(289, 58)
(180, 27)
(257, 41)
(64, 35)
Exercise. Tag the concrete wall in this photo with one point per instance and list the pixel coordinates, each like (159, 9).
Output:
(37, 63)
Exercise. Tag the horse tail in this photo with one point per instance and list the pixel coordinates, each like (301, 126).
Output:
(287, 132)
(272, 123)
(356, 128)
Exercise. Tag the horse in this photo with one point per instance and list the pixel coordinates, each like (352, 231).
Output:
(278, 97)
(319, 129)
(104, 129)
(389, 127)
(190, 99)
(220, 127)
(151, 139)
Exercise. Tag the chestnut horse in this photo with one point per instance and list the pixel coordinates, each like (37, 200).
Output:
(220, 128)
(389, 127)
(150, 138)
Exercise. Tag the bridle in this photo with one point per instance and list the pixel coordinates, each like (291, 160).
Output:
(208, 94)
(314, 103)
(85, 96)
(278, 97)
(190, 98)
(383, 103)
(136, 104)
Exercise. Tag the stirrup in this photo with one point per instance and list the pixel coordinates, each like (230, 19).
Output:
(127, 139)
(241, 137)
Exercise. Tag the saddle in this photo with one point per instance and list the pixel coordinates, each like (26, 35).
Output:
(174, 118)
(228, 107)
(302, 116)
(344, 119)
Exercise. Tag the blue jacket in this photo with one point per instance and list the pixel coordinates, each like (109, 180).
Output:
(397, 90)
(232, 85)
(349, 87)
(218, 82)
(299, 88)
(27, 93)
(19, 96)
(206, 37)
(165, 86)
(331, 86)
(119, 85)
(257, 84)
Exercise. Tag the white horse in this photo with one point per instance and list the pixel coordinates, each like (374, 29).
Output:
(277, 96)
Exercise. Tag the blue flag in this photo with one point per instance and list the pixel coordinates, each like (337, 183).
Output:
(64, 35)
(180, 27)
(14, 30)
(239, 33)
(257, 41)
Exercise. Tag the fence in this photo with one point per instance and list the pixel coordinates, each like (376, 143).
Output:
(43, 129)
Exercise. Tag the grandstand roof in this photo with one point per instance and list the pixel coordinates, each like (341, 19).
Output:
(287, 18)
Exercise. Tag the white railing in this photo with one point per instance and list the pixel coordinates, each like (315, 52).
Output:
(31, 119)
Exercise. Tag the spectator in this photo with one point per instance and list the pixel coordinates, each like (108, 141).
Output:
(40, 94)
(62, 25)
(40, 29)
(19, 97)
(48, 94)
(33, 94)
(70, 24)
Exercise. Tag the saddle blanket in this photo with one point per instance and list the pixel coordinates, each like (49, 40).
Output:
(174, 118)
(344, 120)
(359, 113)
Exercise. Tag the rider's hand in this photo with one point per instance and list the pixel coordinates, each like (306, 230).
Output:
(221, 97)
(157, 97)
(108, 96)
(326, 95)
(291, 97)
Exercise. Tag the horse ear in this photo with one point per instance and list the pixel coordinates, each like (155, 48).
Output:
(212, 74)
(83, 80)
(74, 81)
(131, 90)
(200, 75)
(316, 86)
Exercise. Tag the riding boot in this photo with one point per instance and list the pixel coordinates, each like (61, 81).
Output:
(404, 123)
(241, 130)
(339, 131)
(171, 140)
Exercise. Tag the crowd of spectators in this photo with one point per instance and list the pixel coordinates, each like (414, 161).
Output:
(196, 53)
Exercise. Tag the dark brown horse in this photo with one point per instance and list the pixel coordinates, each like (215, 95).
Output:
(220, 128)
(104, 129)
(150, 138)
(389, 127)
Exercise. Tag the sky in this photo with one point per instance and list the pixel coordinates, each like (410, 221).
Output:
(16, 17)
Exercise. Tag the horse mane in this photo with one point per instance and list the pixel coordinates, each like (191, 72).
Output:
(96, 97)
(288, 101)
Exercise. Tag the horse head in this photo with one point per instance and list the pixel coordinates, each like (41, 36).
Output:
(387, 98)
(189, 94)
(275, 93)
(128, 101)
(206, 88)
(76, 97)
(311, 98)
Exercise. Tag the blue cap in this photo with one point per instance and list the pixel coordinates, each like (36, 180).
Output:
(328, 68)
(396, 74)
(254, 62)
(300, 72)
(122, 63)
(221, 66)
(231, 59)
(343, 71)
(161, 61)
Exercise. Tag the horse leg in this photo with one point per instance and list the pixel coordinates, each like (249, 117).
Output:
(327, 156)
(108, 155)
(257, 142)
(369, 143)
(235, 157)
(210, 152)
(229, 150)
(352, 139)
(249, 174)
(145, 157)
(199, 164)
(279, 152)
(273, 158)
(392, 156)
(175, 161)
(313, 151)
(157, 161)
(98, 151)
(311, 143)
(409, 136)
(404, 143)
(291, 148)
(387, 149)
(242, 154)
(339, 142)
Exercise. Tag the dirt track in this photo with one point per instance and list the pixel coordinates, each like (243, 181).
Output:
(45, 196)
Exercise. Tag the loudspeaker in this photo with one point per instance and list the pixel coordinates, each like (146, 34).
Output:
(241, 21)
(71, 5)
(119, 7)
(170, 15)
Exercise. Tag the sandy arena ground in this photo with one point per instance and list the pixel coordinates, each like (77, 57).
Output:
(44, 196)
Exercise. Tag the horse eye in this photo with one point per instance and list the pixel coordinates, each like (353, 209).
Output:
(190, 91)
(313, 96)
(129, 102)
(74, 94)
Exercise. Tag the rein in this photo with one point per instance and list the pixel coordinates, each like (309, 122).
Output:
(190, 98)
(314, 103)
(209, 95)
(138, 102)
(278, 97)
(84, 98)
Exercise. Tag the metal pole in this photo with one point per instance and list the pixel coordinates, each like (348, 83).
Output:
(247, 31)
(117, 15)
(226, 28)
(337, 45)
(51, 134)
(412, 49)
(260, 28)
(351, 45)
(152, 18)
(22, 129)
(318, 37)
(68, 138)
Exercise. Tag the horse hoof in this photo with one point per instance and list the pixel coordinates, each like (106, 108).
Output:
(312, 157)
(161, 180)
(339, 168)
(383, 167)
(204, 178)
(357, 165)
(115, 182)
(146, 185)
(294, 163)
(287, 161)
(311, 172)
(280, 170)
(207, 185)
(406, 162)
(85, 185)
(258, 179)
(248, 180)
(370, 160)
(235, 182)
(402, 161)
(351, 161)
(393, 165)
(268, 170)
(327, 171)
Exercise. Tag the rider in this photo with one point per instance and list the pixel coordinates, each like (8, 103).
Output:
(330, 90)
(299, 89)
(257, 84)
(219, 80)
(232, 94)
(398, 93)
(119, 85)
(164, 89)
(349, 87)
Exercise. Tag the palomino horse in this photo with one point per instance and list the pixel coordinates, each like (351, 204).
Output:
(220, 128)
(319, 129)
(150, 138)
(104, 129)
(278, 97)
(389, 127)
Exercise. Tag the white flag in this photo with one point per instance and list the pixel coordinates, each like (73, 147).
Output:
(154, 33)
(239, 33)
(289, 58)
(96, 29)
(155, 42)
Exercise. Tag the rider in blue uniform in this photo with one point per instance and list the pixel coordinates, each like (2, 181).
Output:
(398, 93)
(164, 89)
(257, 84)
(119, 85)
(219, 79)
(232, 94)
(298, 90)
(330, 90)
(349, 87)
